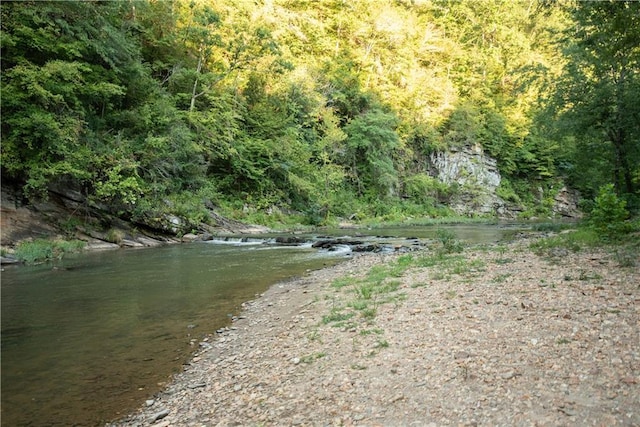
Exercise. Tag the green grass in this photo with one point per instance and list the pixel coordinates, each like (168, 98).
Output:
(369, 313)
(337, 315)
(625, 249)
(376, 331)
(341, 282)
(501, 278)
(365, 290)
(381, 343)
(627, 257)
(359, 304)
(449, 242)
(379, 286)
(573, 241)
(449, 264)
(419, 285)
(312, 357)
(42, 250)
(114, 235)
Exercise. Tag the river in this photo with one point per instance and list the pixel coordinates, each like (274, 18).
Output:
(85, 340)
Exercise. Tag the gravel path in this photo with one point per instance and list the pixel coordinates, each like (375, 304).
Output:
(492, 336)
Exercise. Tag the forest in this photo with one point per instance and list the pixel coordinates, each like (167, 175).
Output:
(308, 111)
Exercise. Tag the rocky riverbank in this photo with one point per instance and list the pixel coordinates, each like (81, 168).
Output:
(492, 336)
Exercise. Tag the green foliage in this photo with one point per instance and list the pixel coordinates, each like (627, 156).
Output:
(609, 212)
(595, 96)
(114, 235)
(61, 70)
(371, 144)
(449, 242)
(427, 189)
(628, 255)
(507, 192)
(40, 250)
(560, 245)
(370, 291)
(314, 111)
(336, 316)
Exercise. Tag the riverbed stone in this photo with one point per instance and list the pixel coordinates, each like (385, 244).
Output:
(159, 415)
(427, 356)
(190, 237)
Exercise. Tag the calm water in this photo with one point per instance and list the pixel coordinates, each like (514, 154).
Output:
(94, 336)
(86, 340)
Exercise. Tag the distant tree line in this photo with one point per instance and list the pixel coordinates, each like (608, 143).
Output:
(324, 108)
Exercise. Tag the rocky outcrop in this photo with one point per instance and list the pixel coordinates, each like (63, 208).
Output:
(68, 213)
(476, 177)
(566, 203)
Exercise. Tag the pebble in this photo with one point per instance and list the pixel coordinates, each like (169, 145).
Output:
(474, 363)
(197, 385)
(508, 375)
(159, 415)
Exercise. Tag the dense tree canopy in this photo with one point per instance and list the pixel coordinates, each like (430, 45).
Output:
(597, 98)
(323, 107)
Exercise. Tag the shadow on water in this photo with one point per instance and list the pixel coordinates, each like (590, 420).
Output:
(85, 341)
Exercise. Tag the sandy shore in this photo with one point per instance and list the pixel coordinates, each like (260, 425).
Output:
(492, 336)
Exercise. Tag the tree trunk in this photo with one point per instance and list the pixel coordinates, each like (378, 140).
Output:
(195, 84)
(618, 135)
(623, 179)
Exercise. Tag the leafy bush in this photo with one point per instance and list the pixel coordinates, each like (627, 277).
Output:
(422, 187)
(507, 192)
(609, 212)
(449, 242)
(114, 235)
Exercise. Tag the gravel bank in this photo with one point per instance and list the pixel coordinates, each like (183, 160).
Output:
(493, 336)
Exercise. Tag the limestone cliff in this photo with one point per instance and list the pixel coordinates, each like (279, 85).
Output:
(476, 177)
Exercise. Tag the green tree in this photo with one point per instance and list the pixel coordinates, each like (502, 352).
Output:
(371, 143)
(64, 67)
(597, 98)
(609, 211)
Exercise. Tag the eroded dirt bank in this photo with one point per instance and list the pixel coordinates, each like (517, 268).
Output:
(494, 336)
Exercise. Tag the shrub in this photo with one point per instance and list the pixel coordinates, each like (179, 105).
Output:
(609, 212)
(114, 236)
(449, 242)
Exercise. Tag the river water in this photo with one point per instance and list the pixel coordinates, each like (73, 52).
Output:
(85, 340)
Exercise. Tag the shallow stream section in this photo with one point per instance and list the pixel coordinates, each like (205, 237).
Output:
(87, 339)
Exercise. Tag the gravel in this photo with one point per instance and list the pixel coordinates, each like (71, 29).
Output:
(509, 338)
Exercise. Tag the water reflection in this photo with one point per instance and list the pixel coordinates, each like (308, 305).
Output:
(93, 336)
(90, 338)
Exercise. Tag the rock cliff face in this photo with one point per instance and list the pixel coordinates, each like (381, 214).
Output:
(477, 177)
(566, 203)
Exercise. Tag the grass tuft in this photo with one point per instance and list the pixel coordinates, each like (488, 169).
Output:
(41, 250)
